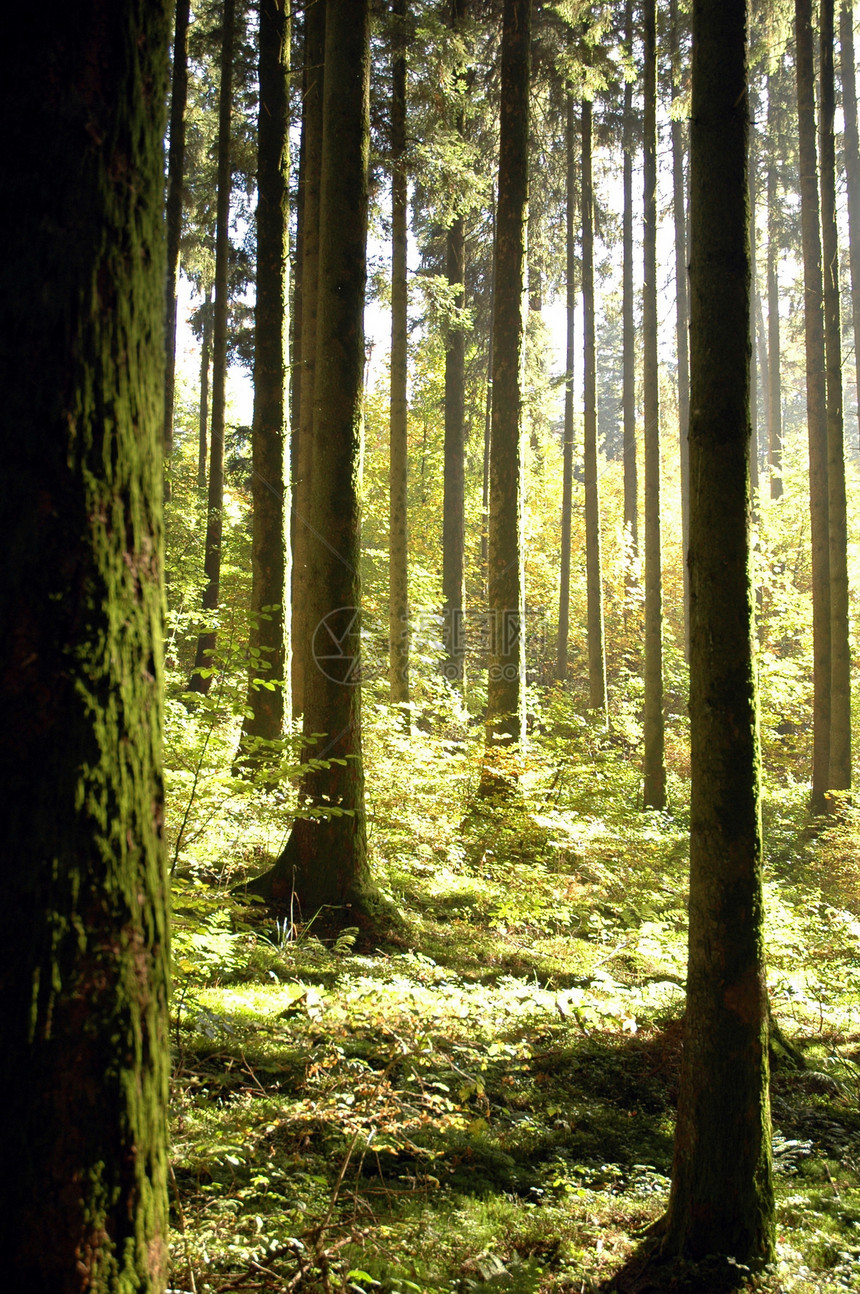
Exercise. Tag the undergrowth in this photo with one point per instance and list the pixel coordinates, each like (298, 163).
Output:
(482, 1099)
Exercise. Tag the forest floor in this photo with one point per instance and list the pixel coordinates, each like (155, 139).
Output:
(481, 1097)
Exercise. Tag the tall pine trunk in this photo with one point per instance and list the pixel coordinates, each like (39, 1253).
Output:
(682, 307)
(628, 329)
(852, 174)
(505, 720)
(173, 218)
(654, 764)
(721, 1201)
(265, 710)
(325, 860)
(816, 404)
(840, 652)
(593, 572)
(398, 580)
(570, 359)
(304, 546)
(84, 970)
(201, 678)
(774, 364)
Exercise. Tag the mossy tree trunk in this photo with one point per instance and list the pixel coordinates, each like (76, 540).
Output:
(721, 1201)
(201, 678)
(84, 949)
(269, 648)
(505, 720)
(654, 762)
(840, 652)
(570, 360)
(593, 565)
(305, 373)
(324, 863)
(173, 218)
(398, 541)
(816, 403)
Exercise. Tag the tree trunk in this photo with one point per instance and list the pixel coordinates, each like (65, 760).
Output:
(325, 860)
(201, 678)
(721, 1201)
(304, 547)
(505, 721)
(570, 359)
(84, 970)
(774, 365)
(593, 572)
(852, 174)
(454, 491)
(269, 648)
(682, 309)
(751, 181)
(840, 652)
(205, 362)
(631, 476)
(816, 404)
(173, 218)
(654, 769)
(398, 603)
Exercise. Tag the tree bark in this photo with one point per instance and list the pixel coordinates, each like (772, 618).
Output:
(505, 721)
(173, 218)
(304, 546)
(721, 1200)
(774, 364)
(852, 174)
(570, 359)
(201, 678)
(682, 308)
(84, 970)
(324, 863)
(454, 488)
(816, 404)
(398, 602)
(751, 181)
(840, 652)
(654, 765)
(268, 676)
(593, 571)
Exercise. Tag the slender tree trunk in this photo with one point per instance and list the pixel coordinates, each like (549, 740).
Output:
(816, 404)
(304, 541)
(84, 966)
(205, 361)
(682, 308)
(840, 652)
(265, 710)
(852, 174)
(398, 602)
(774, 366)
(454, 488)
(201, 678)
(173, 218)
(654, 769)
(488, 419)
(631, 476)
(751, 181)
(570, 360)
(721, 1201)
(593, 572)
(325, 860)
(505, 721)
(296, 345)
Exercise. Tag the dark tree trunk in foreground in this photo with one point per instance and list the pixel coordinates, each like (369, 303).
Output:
(816, 404)
(201, 678)
(852, 173)
(325, 860)
(628, 398)
(840, 652)
(505, 722)
(654, 765)
(721, 1201)
(84, 946)
(570, 359)
(774, 366)
(398, 566)
(682, 308)
(593, 573)
(173, 218)
(305, 374)
(265, 707)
